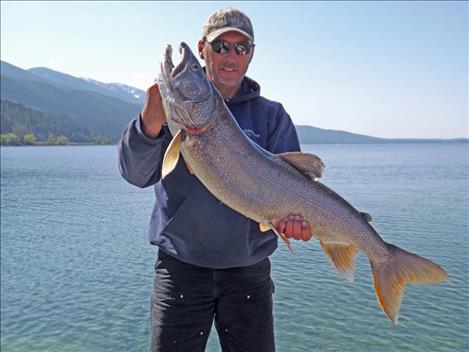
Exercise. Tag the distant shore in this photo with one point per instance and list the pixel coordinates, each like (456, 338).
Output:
(389, 141)
(400, 141)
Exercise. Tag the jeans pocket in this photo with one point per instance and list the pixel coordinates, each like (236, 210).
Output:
(182, 292)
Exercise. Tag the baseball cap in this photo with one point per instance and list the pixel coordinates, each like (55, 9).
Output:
(227, 20)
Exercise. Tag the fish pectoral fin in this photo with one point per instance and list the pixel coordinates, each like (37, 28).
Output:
(171, 156)
(342, 256)
(402, 268)
(306, 163)
(366, 216)
(281, 235)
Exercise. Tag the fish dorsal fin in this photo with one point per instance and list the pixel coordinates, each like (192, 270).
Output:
(306, 163)
(171, 156)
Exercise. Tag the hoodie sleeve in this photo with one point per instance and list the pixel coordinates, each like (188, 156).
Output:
(140, 156)
(282, 136)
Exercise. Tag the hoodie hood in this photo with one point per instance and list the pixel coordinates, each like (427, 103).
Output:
(249, 89)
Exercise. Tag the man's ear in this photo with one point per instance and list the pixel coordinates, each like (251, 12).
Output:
(201, 49)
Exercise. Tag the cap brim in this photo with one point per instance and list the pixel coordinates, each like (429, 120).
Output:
(215, 34)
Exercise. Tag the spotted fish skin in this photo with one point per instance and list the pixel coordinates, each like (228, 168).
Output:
(268, 187)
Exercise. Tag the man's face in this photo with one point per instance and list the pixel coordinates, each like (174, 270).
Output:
(226, 71)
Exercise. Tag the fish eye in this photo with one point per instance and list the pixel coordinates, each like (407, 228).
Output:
(194, 67)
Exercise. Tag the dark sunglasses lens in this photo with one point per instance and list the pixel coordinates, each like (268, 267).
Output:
(220, 47)
(242, 49)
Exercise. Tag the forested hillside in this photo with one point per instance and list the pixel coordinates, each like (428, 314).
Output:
(22, 125)
(83, 111)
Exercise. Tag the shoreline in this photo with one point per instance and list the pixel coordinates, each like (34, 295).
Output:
(396, 141)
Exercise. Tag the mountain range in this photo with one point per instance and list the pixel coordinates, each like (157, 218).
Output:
(97, 109)
(45, 101)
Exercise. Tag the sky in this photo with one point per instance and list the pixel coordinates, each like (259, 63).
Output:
(385, 69)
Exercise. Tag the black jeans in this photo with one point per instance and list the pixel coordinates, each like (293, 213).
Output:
(187, 299)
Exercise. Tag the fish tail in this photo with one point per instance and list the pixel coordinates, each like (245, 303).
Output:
(391, 277)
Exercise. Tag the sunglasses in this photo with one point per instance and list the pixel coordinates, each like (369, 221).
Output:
(221, 47)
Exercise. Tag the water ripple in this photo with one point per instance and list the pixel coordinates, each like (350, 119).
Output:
(77, 271)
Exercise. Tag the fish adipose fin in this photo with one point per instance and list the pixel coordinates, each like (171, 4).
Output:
(342, 256)
(402, 268)
(306, 163)
(281, 235)
(366, 216)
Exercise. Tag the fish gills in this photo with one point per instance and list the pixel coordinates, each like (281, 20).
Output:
(391, 277)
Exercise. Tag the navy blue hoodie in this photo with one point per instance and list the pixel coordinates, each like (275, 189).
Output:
(187, 221)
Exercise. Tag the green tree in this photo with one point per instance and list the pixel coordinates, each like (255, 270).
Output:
(102, 140)
(51, 139)
(29, 138)
(9, 139)
(62, 140)
(19, 129)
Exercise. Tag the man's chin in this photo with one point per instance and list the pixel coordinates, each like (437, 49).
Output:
(230, 83)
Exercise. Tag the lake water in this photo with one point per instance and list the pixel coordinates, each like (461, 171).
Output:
(77, 271)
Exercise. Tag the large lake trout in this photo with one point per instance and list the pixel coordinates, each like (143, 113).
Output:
(268, 187)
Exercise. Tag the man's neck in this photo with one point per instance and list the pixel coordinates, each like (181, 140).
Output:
(228, 93)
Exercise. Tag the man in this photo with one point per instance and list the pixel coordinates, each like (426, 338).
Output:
(212, 262)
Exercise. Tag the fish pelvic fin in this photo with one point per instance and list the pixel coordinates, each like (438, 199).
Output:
(342, 256)
(171, 156)
(282, 236)
(306, 163)
(391, 277)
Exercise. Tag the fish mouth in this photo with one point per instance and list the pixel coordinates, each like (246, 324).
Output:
(184, 58)
(169, 78)
(168, 66)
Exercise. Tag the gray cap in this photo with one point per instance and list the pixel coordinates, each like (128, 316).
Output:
(227, 20)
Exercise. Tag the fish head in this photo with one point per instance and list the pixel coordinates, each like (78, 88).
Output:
(189, 99)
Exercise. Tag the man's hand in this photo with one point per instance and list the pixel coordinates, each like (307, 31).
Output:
(296, 227)
(153, 115)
